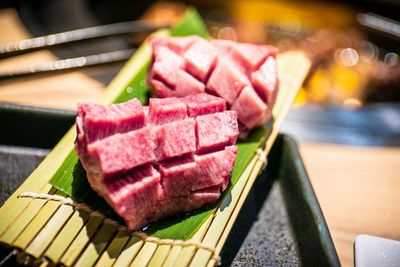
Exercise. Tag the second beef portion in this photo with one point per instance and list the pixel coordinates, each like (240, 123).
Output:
(245, 75)
(178, 156)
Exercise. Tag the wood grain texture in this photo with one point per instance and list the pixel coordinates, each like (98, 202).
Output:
(358, 189)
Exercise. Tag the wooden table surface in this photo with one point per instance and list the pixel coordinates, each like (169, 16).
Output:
(358, 188)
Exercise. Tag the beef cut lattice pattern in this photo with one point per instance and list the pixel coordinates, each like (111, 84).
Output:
(245, 75)
(151, 162)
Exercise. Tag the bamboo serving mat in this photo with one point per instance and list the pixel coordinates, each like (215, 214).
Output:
(45, 226)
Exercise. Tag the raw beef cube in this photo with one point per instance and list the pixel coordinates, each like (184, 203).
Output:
(249, 56)
(96, 121)
(165, 66)
(121, 166)
(187, 84)
(177, 176)
(162, 111)
(182, 176)
(200, 59)
(175, 139)
(133, 195)
(161, 89)
(178, 45)
(251, 110)
(224, 67)
(164, 54)
(226, 81)
(254, 55)
(182, 204)
(202, 104)
(216, 130)
(265, 81)
(121, 152)
(215, 168)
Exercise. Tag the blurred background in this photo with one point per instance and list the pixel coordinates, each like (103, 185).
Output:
(346, 117)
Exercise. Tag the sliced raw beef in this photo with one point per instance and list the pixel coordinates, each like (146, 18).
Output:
(162, 111)
(175, 139)
(97, 121)
(151, 162)
(202, 104)
(200, 58)
(246, 57)
(264, 81)
(220, 67)
(250, 108)
(183, 176)
(226, 81)
(112, 156)
(166, 65)
(176, 44)
(217, 130)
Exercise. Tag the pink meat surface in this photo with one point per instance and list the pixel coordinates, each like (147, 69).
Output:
(163, 111)
(166, 65)
(158, 170)
(199, 59)
(113, 157)
(187, 84)
(202, 104)
(226, 81)
(265, 82)
(161, 89)
(175, 139)
(250, 109)
(184, 176)
(217, 130)
(247, 57)
(225, 68)
(176, 44)
(98, 122)
(217, 165)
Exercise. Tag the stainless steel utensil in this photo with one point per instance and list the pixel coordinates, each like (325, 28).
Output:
(28, 45)
(69, 64)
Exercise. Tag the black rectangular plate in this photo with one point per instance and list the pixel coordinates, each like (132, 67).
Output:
(280, 223)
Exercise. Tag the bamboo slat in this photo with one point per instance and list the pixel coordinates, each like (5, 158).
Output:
(144, 255)
(49, 231)
(63, 234)
(114, 249)
(186, 253)
(160, 255)
(40, 219)
(172, 256)
(129, 252)
(67, 235)
(97, 245)
(25, 212)
(81, 241)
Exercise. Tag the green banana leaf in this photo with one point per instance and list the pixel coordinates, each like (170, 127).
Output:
(71, 177)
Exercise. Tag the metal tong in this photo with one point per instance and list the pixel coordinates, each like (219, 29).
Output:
(57, 39)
